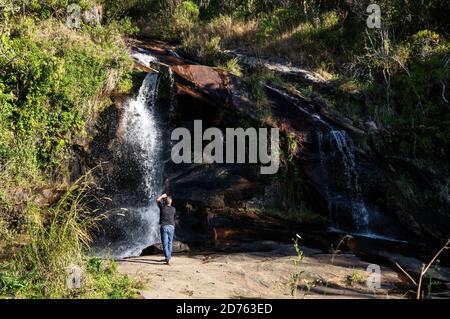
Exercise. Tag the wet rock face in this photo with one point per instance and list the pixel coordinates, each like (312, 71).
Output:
(120, 171)
(214, 86)
(199, 188)
(214, 200)
(360, 179)
(230, 192)
(414, 196)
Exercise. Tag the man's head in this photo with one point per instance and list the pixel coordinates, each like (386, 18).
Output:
(169, 200)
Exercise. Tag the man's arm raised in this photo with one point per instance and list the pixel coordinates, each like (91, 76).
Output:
(161, 197)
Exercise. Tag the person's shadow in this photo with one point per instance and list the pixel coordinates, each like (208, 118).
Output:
(142, 261)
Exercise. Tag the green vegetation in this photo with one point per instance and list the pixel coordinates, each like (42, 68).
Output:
(100, 281)
(232, 66)
(54, 81)
(295, 276)
(51, 79)
(56, 238)
(253, 82)
(357, 277)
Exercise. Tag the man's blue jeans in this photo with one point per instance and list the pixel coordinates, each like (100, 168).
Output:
(167, 232)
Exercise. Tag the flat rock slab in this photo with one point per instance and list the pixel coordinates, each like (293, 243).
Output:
(255, 275)
(414, 266)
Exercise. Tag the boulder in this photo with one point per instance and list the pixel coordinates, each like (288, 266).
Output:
(93, 16)
(414, 266)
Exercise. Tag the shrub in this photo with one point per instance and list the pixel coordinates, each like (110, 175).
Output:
(43, 9)
(53, 82)
(174, 24)
(356, 277)
(47, 84)
(204, 49)
(57, 239)
(280, 20)
(233, 67)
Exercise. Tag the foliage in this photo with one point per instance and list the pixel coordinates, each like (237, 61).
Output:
(255, 79)
(57, 239)
(53, 83)
(42, 9)
(295, 276)
(233, 67)
(280, 20)
(106, 282)
(101, 281)
(47, 84)
(356, 277)
(173, 23)
(401, 70)
(207, 51)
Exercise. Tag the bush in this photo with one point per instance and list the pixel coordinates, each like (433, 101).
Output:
(174, 24)
(204, 49)
(57, 239)
(233, 67)
(280, 20)
(48, 84)
(53, 82)
(357, 277)
(43, 9)
(106, 283)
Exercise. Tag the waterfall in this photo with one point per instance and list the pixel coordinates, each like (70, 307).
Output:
(344, 148)
(342, 188)
(172, 90)
(134, 172)
(339, 180)
(141, 132)
(132, 222)
(142, 56)
(142, 138)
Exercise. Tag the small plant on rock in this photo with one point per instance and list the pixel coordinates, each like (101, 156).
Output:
(357, 277)
(295, 276)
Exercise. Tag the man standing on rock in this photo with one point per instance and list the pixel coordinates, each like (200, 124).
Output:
(167, 223)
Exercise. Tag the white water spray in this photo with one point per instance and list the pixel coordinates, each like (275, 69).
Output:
(143, 137)
(141, 132)
(342, 161)
(172, 90)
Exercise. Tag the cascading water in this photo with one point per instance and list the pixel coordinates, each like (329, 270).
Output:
(141, 141)
(344, 148)
(141, 132)
(172, 90)
(340, 177)
(337, 177)
(142, 56)
(359, 208)
(343, 190)
(132, 222)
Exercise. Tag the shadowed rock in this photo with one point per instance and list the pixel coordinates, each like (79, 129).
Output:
(177, 247)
